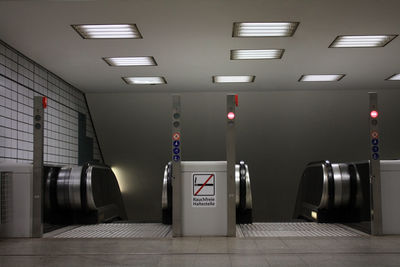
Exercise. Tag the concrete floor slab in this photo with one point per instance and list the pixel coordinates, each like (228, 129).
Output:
(341, 250)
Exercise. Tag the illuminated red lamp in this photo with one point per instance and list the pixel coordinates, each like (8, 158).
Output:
(231, 115)
(44, 102)
(374, 114)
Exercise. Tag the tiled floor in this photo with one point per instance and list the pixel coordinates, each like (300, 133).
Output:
(269, 251)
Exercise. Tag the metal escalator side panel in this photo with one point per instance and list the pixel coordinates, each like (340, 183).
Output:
(50, 188)
(63, 188)
(243, 194)
(237, 184)
(346, 184)
(74, 185)
(342, 184)
(117, 200)
(89, 190)
(337, 179)
(315, 191)
(83, 187)
(164, 195)
(103, 194)
(169, 188)
(330, 192)
(249, 198)
(324, 202)
(363, 192)
(359, 198)
(242, 186)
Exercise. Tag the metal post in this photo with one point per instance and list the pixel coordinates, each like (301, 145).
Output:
(176, 167)
(375, 167)
(231, 160)
(38, 123)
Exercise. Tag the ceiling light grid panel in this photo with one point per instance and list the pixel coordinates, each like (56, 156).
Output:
(107, 31)
(256, 54)
(130, 61)
(234, 79)
(264, 29)
(321, 77)
(394, 77)
(360, 41)
(145, 80)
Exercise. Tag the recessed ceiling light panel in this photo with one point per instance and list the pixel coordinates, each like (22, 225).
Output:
(234, 79)
(321, 78)
(130, 61)
(264, 29)
(362, 41)
(256, 54)
(144, 80)
(395, 77)
(108, 31)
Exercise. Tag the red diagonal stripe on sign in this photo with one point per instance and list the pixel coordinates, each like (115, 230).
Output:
(204, 184)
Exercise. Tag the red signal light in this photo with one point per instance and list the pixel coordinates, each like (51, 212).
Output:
(44, 102)
(231, 115)
(374, 114)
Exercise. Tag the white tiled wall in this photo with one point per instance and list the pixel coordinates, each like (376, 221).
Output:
(21, 80)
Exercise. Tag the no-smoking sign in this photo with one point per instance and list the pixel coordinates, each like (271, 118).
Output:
(374, 134)
(204, 194)
(176, 136)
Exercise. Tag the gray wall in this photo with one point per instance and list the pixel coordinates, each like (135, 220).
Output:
(278, 133)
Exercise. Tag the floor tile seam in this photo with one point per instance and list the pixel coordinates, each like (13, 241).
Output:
(238, 238)
(267, 261)
(261, 249)
(201, 254)
(204, 239)
(305, 244)
(298, 256)
(263, 256)
(198, 244)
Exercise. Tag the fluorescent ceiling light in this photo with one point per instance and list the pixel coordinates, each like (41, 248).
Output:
(108, 31)
(362, 40)
(144, 80)
(130, 61)
(234, 79)
(395, 77)
(321, 78)
(264, 29)
(256, 54)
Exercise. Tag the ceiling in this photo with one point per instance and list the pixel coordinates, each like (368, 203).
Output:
(191, 41)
